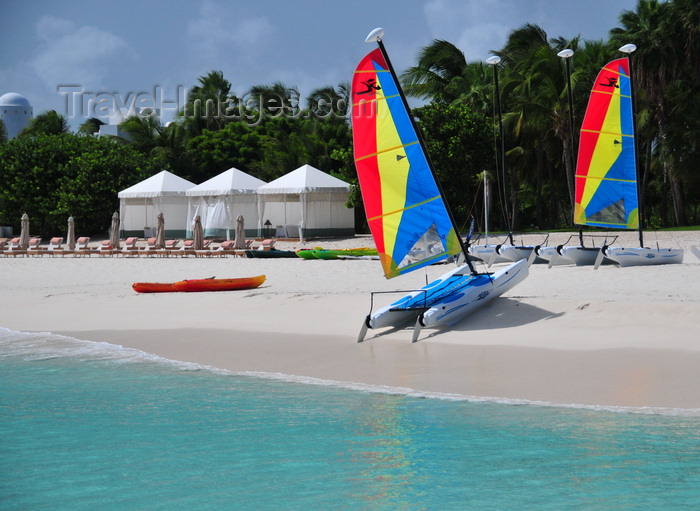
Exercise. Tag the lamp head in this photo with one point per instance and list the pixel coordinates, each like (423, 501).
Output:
(628, 48)
(493, 61)
(375, 35)
(565, 54)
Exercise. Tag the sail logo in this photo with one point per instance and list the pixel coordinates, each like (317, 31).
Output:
(371, 85)
(612, 82)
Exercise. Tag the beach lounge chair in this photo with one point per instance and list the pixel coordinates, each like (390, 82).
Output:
(106, 248)
(81, 246)
(130, 248)
(150, 248)
(55, 246)
(169, 248)
(34, 248)
(186, 249)
(13, 249)
(268, 244)
(225, 248)
(4, 246)
(205, 251)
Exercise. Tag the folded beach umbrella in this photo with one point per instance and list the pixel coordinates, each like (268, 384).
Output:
(160, 231)
(240, 233)
(24, 233)
(198, 233)
(70, 237)
(114, 231)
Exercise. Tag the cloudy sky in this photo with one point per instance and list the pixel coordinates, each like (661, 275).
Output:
(60, 54)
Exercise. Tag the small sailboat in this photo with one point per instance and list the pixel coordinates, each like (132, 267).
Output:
(607, 177)
(408, 216)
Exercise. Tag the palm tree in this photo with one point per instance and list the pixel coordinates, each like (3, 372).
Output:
(144, 131)
(46, 123)
(91, 126)
(276, 100)
(210, 104)
(535, 96)
(658, 62)
(330, 100)
(440, 74)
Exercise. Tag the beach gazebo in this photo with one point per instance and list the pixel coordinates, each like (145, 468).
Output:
(221, 199)
(306, 202)
(140, 204)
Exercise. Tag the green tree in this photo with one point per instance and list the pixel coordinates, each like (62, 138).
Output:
(91, 126)
(46, 123)
(665, 74)
(326, 101)
(3, 132)
(459, 143)
(539, 139)
(439, 75)
(210, 104)
(52, 177)
(276, 100)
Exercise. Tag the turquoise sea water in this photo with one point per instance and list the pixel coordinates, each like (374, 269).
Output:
(94, 426)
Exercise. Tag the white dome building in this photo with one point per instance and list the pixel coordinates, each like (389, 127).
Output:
(15, 112)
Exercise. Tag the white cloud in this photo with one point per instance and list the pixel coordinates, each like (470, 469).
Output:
(475, 27)
(77, 55)
(219, 32)
(480, 26)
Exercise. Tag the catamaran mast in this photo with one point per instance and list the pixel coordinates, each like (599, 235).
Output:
(628, 49)
(376, 35)
(494, 61)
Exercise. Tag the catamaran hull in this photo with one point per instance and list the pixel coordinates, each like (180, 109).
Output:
(550, 254)
(449, 298)
(643, 256)
(580, 256)
(486, 253)
(514, 253)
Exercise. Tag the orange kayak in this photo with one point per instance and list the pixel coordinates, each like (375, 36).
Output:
(152, 287)
(197, 285)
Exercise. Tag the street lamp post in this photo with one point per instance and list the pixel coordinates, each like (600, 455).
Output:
(494, 61)
(566, 54)
(628, 49)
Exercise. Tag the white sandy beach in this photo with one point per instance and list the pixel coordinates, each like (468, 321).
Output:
(610, 337)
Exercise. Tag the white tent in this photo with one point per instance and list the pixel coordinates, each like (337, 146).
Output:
(306, 202)
(140, 204)
(219, 200)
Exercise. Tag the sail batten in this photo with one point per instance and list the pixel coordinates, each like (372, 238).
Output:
(606, 171)
(406, 211)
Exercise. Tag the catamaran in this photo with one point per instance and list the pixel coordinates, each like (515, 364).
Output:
(607, 176)
(408, 216)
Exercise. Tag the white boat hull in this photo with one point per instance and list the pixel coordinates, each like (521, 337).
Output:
(643, 256)
(486, 253)
(550, 254)
(580, 256)
(515, 253)
(449, 298)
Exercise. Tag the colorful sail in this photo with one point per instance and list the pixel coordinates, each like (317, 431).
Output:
(406, 213)
(606, 171)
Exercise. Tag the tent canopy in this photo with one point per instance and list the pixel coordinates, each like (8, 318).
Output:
(219, 200)
(140, 204)
(305, 179)
(158, 185)
(307, 202)
(229, 182)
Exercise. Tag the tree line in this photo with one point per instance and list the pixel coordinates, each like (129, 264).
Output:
(51, 173)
